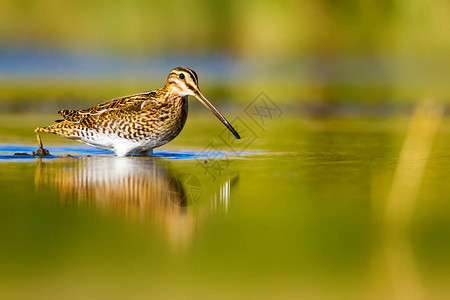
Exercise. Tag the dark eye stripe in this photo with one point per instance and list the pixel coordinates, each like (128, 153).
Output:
(193, 75)
(191, 87)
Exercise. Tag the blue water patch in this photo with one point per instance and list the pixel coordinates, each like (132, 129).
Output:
(22, 63)
(14, 152)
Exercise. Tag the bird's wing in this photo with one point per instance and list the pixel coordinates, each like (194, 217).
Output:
(128, 103)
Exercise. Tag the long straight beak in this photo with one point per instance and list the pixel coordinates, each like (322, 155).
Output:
(214, 110)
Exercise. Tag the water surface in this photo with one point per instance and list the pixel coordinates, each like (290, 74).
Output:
(296, 210)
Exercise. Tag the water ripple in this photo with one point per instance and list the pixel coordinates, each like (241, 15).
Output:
(10, 152)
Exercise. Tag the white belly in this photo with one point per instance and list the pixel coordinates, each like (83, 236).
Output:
(121, 146)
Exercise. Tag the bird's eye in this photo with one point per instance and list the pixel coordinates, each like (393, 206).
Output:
(181, 76)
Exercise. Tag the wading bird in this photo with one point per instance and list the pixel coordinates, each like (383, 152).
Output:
(135, 124)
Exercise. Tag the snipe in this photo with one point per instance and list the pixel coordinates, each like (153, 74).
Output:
(137, 123)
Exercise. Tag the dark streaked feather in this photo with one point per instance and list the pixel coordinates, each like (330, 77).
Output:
(132, 102)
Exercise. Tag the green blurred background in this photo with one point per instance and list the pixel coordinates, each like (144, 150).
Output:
(309, 209)
(297, 51)
(279, 30)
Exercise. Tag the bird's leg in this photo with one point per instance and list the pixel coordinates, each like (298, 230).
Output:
(146, 153)
(41, 151)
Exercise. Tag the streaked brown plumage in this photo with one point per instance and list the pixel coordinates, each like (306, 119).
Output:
(136, 123)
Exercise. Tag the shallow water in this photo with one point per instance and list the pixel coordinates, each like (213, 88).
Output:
(297, 209)
(18, 152)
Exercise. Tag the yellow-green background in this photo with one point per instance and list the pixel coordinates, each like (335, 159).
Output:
(308, 197)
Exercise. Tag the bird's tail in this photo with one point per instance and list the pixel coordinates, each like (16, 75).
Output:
(60, 129)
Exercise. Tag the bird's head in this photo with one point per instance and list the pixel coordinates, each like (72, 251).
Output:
(184, 82)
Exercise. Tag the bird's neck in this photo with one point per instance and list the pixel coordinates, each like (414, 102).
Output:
(168, 97)
(174, 90)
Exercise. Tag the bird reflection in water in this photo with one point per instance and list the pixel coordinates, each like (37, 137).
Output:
(136, 187)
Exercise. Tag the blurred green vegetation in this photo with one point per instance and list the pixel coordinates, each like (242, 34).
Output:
(295, 51)
(248, 28)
